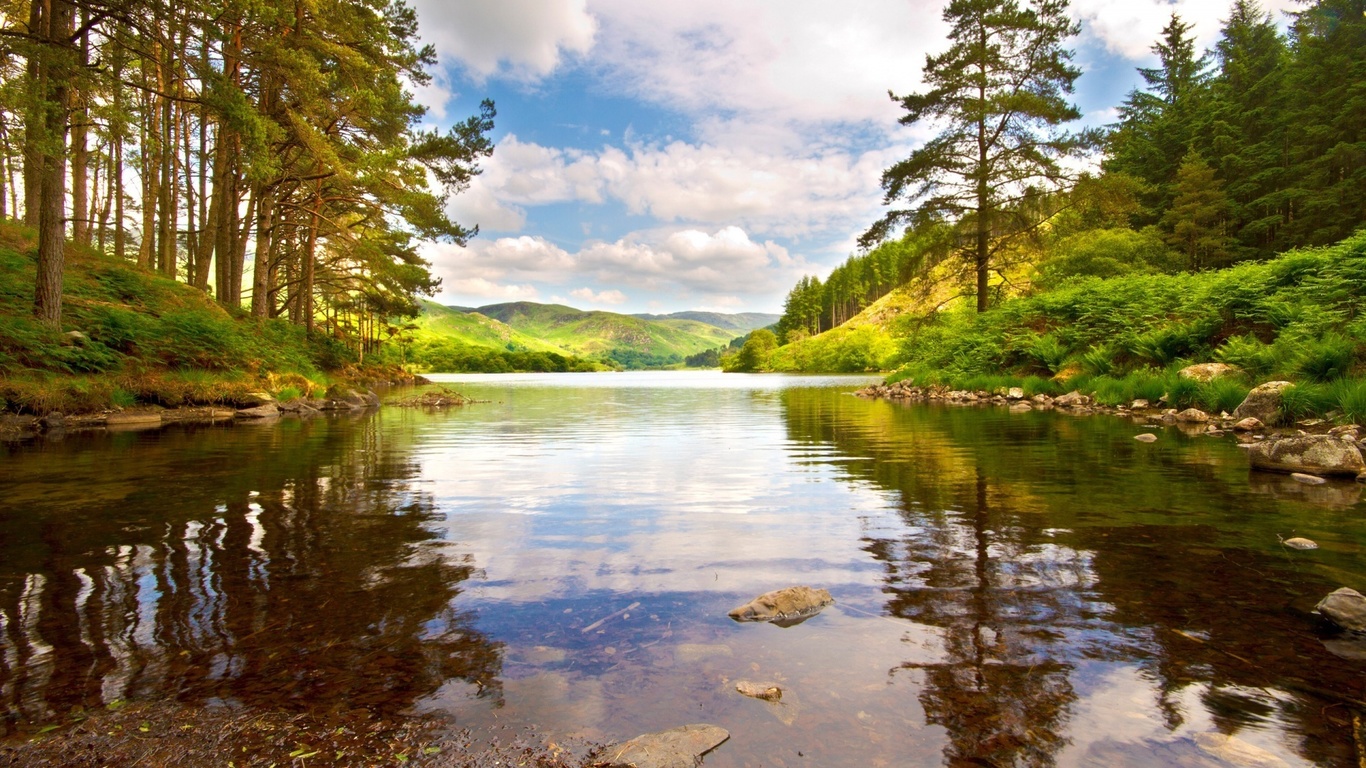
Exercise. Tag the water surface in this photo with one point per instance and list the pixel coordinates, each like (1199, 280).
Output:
(1012, 589)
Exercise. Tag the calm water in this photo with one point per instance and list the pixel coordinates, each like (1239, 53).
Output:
(1028, 589)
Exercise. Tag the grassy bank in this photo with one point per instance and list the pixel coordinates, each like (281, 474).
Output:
(1297, 318)
(130, 337)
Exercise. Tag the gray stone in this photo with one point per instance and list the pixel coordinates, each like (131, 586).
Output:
(1301, 477)
(1139, 405)
(1043, 400)
(1346, 608)
(253, 400)
(1015, 393)
(1309, 454)
(1020, 407)
(1192, 416)
(259, 412)
(784, 607)
(1207, 371)
(1146, 437)
(1071, 399)
(1299, 542)
(1250, 424)
(681, 747)
(1263, 402)
(74, 339)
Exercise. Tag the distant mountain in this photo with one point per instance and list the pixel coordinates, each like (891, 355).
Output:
(743, 322)
(631, 341)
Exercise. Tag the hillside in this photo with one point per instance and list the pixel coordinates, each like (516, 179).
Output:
(130, 337)
(742, 322)
(619, 340)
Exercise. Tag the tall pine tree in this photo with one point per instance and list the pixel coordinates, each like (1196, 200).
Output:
(1000, 92)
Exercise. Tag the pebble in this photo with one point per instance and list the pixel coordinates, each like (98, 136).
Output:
(1146, 437)
(1300, 477)
(1299, 542)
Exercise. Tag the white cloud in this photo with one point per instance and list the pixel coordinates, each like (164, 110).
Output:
(522, 39)
(1130, 27)
(689, 266)
(610, 298)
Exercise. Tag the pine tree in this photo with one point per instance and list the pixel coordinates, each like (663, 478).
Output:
(1161, 122)
(1000, 91)
(1197, 221)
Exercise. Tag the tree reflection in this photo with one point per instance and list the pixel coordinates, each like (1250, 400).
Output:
(1029, 543)
(293, 567)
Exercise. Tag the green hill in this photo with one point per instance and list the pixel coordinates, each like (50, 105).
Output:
(529, 336)
(742, 322)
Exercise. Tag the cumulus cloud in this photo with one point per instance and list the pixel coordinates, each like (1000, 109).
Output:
(686, 265)
(520, 39)
(1130, 27)
(610, 297)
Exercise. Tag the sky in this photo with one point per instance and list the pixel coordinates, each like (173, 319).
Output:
(703, 155)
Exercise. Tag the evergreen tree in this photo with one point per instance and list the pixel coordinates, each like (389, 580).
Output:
(1197, 221)
(1160, 123)
(1326, 194)
(1248, 129)
(1000, 93)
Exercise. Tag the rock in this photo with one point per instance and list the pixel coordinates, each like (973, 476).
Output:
(1262, 403)
(766, 691)
(784, 607)
(681, 747)
(1345, 429)
(1346, 608)
(74, 339)
(1020, 407)
(1071, 399)
(259, 412)
(1015, 393)
(1041, 400)
(1192, 416)
(1146, 437)
(1310, 454)
(1250, 424)
(253, 400)
(1346, 647)
(53, 420)
(1299, 542)
(1207, 371)
(1301, 477)
(1139, 405)
(133, 420)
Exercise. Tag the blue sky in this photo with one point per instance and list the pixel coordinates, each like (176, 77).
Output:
(658, 157)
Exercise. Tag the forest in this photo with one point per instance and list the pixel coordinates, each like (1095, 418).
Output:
(270, 155)
(1235, 158)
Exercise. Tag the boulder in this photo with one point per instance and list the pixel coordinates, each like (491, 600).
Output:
(266, 411)
(1041, 400)
(1308, 454)
(767, 691)
(1262, 403)
(1071, 399)
(1192, 416)
(681, 747)
(1015, 393)
(253, 400)
(1249, 424)
(1346, 608)
(784, 607)
(1207, 371)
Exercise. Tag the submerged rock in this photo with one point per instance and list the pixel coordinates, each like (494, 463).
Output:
(259, 412)
(766, 691)
(1299, 542)
(1301, 477)
(784, 607)
(1146, 437)
(1193, 416)
(1346, 608)
(681, 747)
(1309, 454)
(1249, 424)
(1262, 403)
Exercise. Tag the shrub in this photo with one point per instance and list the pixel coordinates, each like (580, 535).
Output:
(1351, 399)
(1248, 353)
(1305, 400)
(1224, 393)
(1327, 358)
(1181, 392)
(1098, 361)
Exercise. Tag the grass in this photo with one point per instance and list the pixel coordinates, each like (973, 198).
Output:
(145, 340)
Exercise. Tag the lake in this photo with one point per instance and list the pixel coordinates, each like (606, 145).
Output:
(1011, 589)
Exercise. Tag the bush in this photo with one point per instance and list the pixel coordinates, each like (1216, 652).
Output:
(1305, 400)
(1327, 358)
(1224, 393)
(1248, 353)
(1351, 399)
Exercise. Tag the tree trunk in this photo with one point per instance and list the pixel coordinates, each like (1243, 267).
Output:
(265, 230)
(55, 73)
(80, 151)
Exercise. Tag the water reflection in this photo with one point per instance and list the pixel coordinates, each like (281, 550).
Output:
(288, 567)
(1044, 589)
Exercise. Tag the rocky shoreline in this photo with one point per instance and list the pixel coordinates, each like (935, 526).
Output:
(1314, 447)
(253, 406)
